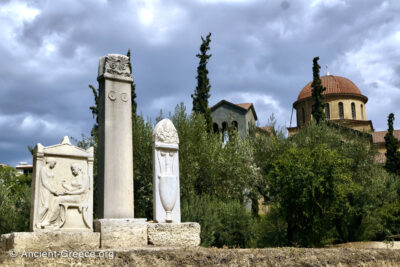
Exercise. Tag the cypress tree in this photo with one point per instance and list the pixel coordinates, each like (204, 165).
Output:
(392, 145)
(317, 89)
(202, 92)
(133, 86)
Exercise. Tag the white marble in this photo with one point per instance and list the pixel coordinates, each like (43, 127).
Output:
(115, 161)
(166, 192)
(62, 188)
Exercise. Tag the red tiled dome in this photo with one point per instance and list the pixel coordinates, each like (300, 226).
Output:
(334, 85)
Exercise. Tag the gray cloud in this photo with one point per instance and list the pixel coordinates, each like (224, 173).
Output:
(262, 53)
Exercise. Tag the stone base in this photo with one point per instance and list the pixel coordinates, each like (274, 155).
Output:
(173, 234)
(121, 233)
(37, 241)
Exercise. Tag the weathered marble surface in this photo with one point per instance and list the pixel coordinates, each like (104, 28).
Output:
(174, 234)
(115, 161)
(62, 188)
(166, 190)
(48, 241)
(122, 233)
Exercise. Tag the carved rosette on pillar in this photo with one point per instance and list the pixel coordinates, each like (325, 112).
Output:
(166, 194)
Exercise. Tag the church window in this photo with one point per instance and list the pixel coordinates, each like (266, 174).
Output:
(303, 114)
(224, 126)
(235, 125)
(341, 112)
(215, 126)
(353, 111)
(327, 111)
(362, 111)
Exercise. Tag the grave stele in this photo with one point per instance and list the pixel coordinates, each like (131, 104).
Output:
(62, 188)
(115, 150)
(166, 193)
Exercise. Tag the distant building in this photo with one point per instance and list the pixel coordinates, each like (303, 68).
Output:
(378, 139)
(226, 114)
(24, 168)
(345, 105)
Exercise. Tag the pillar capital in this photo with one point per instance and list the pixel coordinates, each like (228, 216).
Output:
(114, 67)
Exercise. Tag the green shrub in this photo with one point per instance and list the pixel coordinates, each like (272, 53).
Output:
(323, 182)
(223, 223)
(15, 196)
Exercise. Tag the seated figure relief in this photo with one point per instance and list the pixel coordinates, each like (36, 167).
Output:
(55, 199)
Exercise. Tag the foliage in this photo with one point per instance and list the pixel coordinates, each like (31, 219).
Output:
(143, 167)
(133, 86)
(223, 223)
(271, 230)
(202, 92)
(317, 96)
(392, 146)
(87, 142)
(324, 184)
(207, 167)
(15, 196)
(309, 185)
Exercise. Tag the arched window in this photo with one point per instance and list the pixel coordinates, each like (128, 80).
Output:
(303, 114)
(235, 125)
(216, 128)
(353, 111)
(224, 126)
(225, 135)
(362, 112)
(341, 112)
(327, 111)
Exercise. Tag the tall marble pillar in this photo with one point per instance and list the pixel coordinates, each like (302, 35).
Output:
(115, 161)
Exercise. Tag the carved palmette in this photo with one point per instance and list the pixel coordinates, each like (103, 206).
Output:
(117, 65)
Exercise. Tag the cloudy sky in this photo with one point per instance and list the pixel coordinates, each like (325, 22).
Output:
(262, 52)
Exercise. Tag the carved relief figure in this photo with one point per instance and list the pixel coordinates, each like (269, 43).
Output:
(73, 194)
(47, 192)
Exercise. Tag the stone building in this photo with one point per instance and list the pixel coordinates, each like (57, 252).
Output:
(24, 168)
(378, 139)
(344, 101)
(226, 114)
(345, 105)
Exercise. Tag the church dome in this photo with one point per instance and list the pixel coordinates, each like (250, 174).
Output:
(334, 85)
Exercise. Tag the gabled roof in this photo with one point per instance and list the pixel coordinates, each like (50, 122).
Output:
(241, 106)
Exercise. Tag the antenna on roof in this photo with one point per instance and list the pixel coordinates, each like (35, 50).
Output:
(327, 72)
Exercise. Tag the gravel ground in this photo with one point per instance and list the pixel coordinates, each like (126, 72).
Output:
(220, 257)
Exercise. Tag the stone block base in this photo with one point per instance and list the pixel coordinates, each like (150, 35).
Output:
(37, 241)
(173, 234)
(122, 233)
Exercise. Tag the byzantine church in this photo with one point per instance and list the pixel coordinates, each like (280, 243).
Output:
(344, 104)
